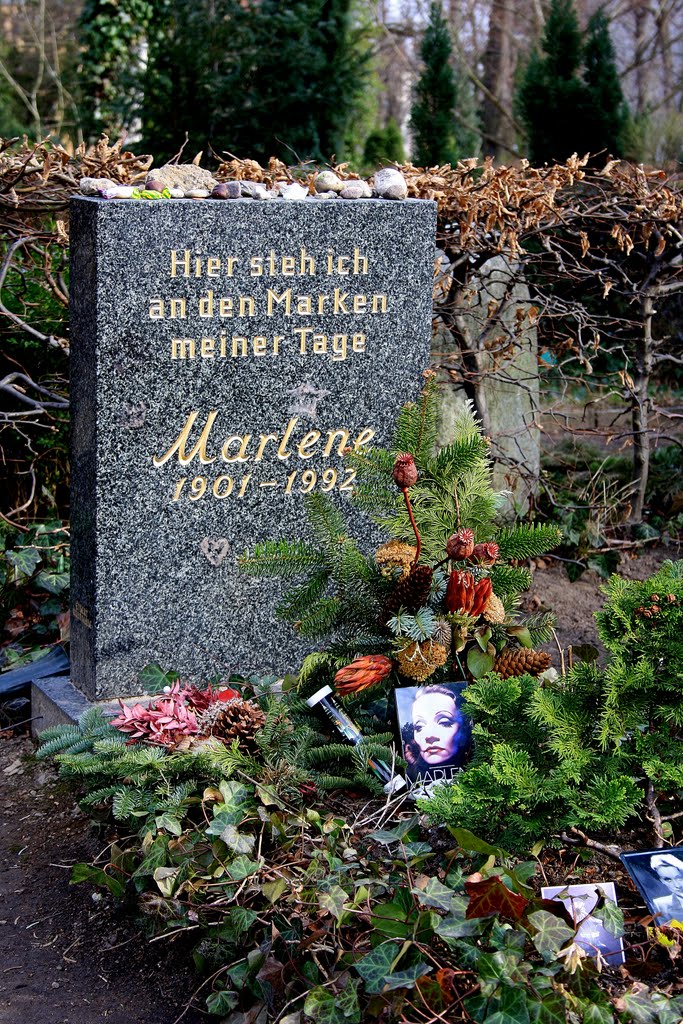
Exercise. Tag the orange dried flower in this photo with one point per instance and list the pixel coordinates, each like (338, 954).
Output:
(362, 673)
(460, 592)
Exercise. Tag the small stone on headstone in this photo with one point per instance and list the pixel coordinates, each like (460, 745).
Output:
(95, 186)
(390, 184)
(328, 181)
(254, 190)
(293, 190)
(197, 193)
(185, 176)
(356, 190)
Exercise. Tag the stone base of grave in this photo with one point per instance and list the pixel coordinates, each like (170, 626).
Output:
(56, 701)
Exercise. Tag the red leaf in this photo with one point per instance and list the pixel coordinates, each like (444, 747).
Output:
(492, 897)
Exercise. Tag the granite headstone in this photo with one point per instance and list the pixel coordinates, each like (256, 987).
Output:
(224, 354)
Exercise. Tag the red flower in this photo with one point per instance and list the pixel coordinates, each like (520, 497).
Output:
(460, 592)
(482, 592)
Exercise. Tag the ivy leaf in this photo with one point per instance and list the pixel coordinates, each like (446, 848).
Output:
(375, 967)
(394, 835)
(24, 560)
(333, 900)
(550, 933)
(241, 867)
(154, 679)
(274, 890)
(490, 896)
(87, 873)
(549, 1010)
(595, 1013)
(393, 920)
(326, 1007)
(166, 879)
(521, 634)
(222, 1002)
(435, 894)
(610, 917)
(53, 582)
(455, 925)
(241, 919)
(470, 843)
(238, 842)
(585, 652)
(481, 662)
(170, 824)
(407, 978)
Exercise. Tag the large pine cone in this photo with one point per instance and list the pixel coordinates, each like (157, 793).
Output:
(237, 720)
(410, 593)
(520, 661)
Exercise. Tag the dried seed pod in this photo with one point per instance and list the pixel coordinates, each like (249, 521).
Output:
(405, 471)
(460, 545)
(395, 555)
(485, 554)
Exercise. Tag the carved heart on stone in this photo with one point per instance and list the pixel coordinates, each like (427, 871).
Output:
(215, 549)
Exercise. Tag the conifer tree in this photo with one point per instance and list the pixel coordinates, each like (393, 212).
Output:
(607, 114)
(553, 98)
(384, 145)
(433, 111)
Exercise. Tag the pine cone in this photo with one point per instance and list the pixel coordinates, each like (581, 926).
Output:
(237, 720)
(520, 661)
(410, 593)
(495, 609)
(418, 661)
(395, 555)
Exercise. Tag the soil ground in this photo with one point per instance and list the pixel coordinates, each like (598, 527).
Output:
(70, 957)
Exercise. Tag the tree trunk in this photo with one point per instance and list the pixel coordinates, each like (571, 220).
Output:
(640, 409)
(498, 77)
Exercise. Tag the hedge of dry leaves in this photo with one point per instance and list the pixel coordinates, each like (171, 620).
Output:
(599, 248)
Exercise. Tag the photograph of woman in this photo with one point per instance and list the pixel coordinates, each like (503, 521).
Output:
(435, 733)
(659, 876)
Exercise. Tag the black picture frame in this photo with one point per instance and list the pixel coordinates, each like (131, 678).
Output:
(658, 874)
(439, 706)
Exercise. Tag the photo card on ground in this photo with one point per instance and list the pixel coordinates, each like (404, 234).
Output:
(436, 734)
(579, 901)
(659, 877)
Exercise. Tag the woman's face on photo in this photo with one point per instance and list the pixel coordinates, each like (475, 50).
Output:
(672, 877)
(435, 727)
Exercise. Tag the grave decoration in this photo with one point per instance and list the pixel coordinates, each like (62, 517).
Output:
(437, 601)
(659, 876)
(598, 922)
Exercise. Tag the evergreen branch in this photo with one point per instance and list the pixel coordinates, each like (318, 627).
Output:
(522, 541)
(326, 521)
(281, 558)
(416, 428)
(509, 579)
(297, 601)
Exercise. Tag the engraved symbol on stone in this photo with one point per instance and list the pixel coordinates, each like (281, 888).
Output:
(306, 398)
(132, 415)
(215, 549)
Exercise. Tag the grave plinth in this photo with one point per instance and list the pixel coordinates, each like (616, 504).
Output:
(224, 354)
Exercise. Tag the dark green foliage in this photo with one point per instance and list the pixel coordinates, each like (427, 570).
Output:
(384, 146)
(252, 876)
(255, 79)
(112, 35)
(552, 99)
(570, 98)
(607, 118)
(588, 751)
(433, 111)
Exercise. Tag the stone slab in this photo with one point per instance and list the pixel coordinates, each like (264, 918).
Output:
(55, 701)
(223, 355)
